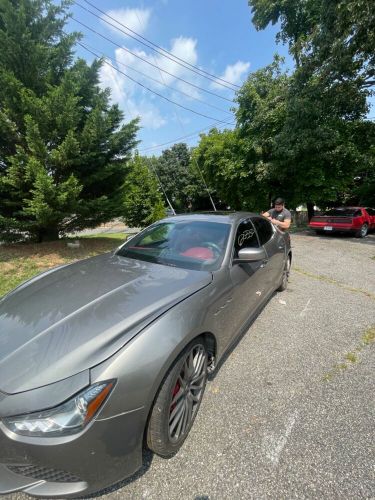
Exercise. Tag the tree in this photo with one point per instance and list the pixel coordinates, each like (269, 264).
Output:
(319, 149)
(229, 162)
(261, 113)
(63, 148)
(143, 202)
(174, 170)
(336, 37)
(308, 152)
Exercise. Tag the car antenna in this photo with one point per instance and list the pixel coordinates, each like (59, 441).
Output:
(162, 188)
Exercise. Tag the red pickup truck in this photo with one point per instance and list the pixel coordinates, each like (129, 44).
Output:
(356, 220)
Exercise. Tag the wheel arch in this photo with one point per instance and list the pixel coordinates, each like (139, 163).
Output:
(211, 345)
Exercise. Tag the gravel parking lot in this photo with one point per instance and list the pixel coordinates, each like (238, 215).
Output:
(290, 413)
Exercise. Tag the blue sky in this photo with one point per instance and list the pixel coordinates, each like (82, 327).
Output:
(215, 35)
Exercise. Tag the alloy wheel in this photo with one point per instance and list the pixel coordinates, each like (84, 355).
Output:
(187, 392)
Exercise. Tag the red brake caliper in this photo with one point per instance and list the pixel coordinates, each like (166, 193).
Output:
(175, 391)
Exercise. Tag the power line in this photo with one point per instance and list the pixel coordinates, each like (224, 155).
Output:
(183, 128)
(85, 45)
(148, 62)
(212, 79)
(178, 139)
(153, 91)
(153, 46)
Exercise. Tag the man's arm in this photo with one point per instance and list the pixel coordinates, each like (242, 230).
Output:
(282, 225)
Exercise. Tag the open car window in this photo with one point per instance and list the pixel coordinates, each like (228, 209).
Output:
(198, 245)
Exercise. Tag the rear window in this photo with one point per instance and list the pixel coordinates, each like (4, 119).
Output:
(343, 212)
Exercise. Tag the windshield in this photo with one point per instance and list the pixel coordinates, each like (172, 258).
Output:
(343, 212)
(198, 245)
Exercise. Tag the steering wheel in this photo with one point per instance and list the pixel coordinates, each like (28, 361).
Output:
(212, 246)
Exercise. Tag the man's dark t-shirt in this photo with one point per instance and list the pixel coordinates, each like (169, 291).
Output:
(281, 216)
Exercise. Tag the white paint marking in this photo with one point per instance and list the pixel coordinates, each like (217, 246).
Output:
(306, 308)
(274, 445)
(282, 302)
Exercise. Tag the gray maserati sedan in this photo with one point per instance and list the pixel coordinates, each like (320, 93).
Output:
(104, 356)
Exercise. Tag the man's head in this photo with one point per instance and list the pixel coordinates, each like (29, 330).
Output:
(279, 204)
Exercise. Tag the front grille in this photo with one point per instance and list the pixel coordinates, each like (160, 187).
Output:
(44, 473)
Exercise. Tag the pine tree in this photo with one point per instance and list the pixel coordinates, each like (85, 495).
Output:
(143, 201)
(63, 147)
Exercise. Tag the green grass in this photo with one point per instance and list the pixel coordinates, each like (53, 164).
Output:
(21, 261)
(367, 338)
(352, 357)
(117, 236)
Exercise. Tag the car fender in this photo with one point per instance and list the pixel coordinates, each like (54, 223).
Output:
(141, 365)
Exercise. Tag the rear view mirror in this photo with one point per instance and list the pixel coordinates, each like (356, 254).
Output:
(251, 255)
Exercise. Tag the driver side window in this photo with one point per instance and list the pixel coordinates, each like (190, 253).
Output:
(246, 237)
(264, 229)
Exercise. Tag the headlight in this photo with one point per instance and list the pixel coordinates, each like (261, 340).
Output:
(67, 418)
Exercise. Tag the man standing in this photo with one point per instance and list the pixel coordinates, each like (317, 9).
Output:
(279, 216)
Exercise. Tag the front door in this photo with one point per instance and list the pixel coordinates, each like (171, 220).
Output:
(247, 279)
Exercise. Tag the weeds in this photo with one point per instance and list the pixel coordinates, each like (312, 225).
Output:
(367, 338)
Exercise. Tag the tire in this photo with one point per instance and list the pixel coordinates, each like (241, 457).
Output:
(284, 281)
(362, 232)
(178, 400)
(319, 232)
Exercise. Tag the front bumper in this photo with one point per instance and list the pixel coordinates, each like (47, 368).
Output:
(106, 452)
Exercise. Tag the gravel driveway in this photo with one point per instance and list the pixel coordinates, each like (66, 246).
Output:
(290, 413)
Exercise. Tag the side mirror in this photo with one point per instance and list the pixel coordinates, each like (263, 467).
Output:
(251, 255)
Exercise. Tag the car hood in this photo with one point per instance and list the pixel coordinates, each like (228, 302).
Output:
(74, 317)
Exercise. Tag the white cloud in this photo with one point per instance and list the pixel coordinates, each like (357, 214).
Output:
(233, 74)
(149, 114)
(182, 47)
(135, 19)
(110, 78)
(123, 92)
(137, 101)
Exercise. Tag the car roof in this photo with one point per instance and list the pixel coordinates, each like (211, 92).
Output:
(222, 217)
